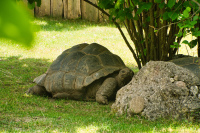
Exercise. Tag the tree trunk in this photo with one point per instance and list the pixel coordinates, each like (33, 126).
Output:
(198, 45)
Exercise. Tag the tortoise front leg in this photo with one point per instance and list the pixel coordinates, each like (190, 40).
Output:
(106, 90)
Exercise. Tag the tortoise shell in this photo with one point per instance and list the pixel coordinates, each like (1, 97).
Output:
(190, 63)
(80, 66)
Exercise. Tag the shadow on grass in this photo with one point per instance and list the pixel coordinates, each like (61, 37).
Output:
(20, 70)
(53, 24)
(21, 113)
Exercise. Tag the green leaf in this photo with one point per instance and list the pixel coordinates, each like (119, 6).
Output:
(38, 3)
(196, 33)
(186, 13)
(171, 3)
(33, 1)
(176, 45)
(161, 5)
(172, 46)
(15, 23)
(121, 15)
(186, 3)
(128, 13)
(129, 2)
(180, 25)
(147, 6)
(193, 23)
(31, 6)
(179, 34)
(184, 33)
(173, 15)
(185, 42)
(161, 20)
(144, 6)
(135, 2)
(188, 9)
(157, 1)
(193, 43)
(187, 26)
(145, 52)
(118, 4)
(195, 18)
(165, 16)
(106, 4)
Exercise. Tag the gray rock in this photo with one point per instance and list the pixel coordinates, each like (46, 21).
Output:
(165, 88)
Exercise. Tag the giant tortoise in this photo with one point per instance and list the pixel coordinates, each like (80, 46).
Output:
(84, 72)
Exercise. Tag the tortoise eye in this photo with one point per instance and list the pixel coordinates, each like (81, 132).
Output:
(123, 71)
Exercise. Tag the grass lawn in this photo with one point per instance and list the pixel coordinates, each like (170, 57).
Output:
(19, 66)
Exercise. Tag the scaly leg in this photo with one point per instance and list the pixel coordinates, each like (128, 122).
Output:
(106, 90)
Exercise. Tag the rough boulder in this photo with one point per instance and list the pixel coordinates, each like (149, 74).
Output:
(160, 89)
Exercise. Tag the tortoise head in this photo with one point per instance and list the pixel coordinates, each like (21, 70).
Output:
(124, 77)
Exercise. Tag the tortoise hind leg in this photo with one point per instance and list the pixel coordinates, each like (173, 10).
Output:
(107, 90)
(38, 90)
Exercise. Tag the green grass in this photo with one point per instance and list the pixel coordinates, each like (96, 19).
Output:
(19, 66)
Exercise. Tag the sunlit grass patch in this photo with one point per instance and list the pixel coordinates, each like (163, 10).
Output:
(57, 35)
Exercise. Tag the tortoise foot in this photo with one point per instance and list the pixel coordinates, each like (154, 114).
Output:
(101, 99)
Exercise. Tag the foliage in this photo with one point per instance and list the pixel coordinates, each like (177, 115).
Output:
(32, 3)
(156, 27)
(15, 22)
